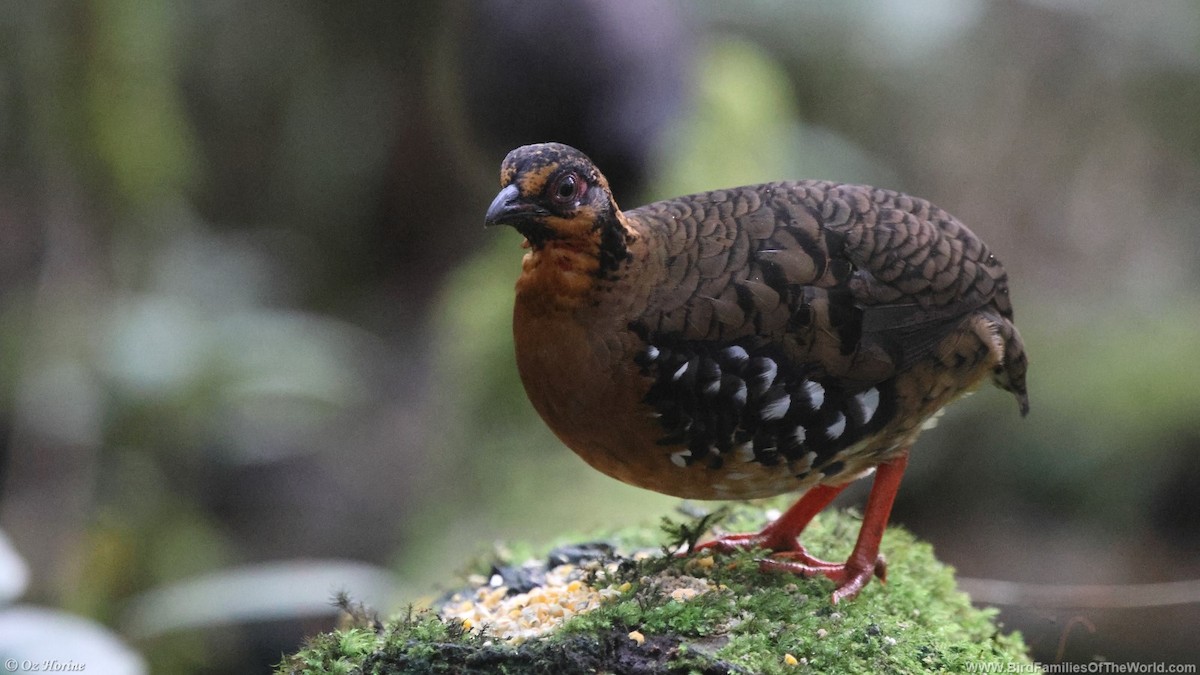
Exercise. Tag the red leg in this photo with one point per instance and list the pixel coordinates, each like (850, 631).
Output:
(780, 535)
(864, 561)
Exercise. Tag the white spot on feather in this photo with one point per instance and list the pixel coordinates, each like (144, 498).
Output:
(680, 458)
(799, 434)
(767, 377)
(870, 403)
(744, 452)
(736, 353)
(679, 373)
(777, 408)
(861, 474)
(816, 394)
(835, 430)
(651, 353)
(804, 463)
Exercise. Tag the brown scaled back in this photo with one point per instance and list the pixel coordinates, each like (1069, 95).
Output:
(747, 342)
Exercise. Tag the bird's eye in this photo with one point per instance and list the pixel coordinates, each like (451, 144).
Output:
(566, 188)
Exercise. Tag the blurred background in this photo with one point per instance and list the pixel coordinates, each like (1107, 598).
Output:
(255, 343)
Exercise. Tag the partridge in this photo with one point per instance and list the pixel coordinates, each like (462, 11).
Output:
(744, 343)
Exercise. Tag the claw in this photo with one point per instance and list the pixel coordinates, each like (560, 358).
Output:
(850, 576)
(802, 557)
(781, 536)
(731, 543)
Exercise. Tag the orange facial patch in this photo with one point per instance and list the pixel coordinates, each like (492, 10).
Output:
(581, 226)
(532, 183)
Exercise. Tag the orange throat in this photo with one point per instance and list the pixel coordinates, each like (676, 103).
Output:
(560, 274)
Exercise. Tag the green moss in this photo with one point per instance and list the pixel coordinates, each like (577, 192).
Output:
(748, 622)
(334, 653)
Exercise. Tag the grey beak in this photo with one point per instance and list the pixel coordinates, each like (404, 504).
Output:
(506, 205)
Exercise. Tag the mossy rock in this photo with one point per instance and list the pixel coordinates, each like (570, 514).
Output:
(748, 621)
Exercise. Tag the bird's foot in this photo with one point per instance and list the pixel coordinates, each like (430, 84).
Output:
(782, 535)
(769, 539)
(850, 577)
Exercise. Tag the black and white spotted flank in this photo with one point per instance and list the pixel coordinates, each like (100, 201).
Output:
(747, 403)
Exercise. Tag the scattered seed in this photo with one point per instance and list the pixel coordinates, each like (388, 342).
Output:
(684, 594)
(517, 618)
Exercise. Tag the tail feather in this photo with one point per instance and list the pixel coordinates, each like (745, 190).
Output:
(1010, 374)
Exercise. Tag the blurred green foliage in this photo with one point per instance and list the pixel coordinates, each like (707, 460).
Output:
(745, 127)
(134, 111)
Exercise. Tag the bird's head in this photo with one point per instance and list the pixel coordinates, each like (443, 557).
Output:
(552, 192)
